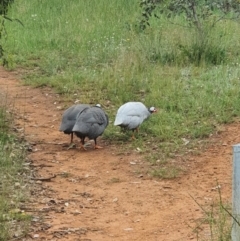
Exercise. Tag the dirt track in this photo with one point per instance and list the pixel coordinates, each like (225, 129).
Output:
(100, 195)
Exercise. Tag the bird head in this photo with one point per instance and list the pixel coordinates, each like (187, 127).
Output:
(152, 110)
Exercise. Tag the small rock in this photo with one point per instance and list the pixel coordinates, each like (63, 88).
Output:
(36, 236)
(17, 234)
(76, 212)
(66, 204)
(17, 184)
(128, 229)
(35, 219)
(138, 220)
(186, 141)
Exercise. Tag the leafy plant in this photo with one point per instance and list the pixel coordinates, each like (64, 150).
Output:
(12, 157)
(195, 12)
(202, 16)
(4, 7)
(217, 220)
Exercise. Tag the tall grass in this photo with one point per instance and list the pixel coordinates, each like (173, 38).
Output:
(13, 188)
(93, 51)
(216, 225)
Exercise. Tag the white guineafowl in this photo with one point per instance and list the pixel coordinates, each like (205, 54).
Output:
(132, 114)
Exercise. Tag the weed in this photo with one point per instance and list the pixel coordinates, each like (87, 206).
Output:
(65, 174)
(12, 193)
(114, 180)
(166, 172)
(217, 221)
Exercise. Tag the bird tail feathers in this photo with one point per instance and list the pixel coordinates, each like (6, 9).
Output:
(118, 122)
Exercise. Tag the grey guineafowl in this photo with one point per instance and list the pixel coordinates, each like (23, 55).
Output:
(90, 123)
(69, 118)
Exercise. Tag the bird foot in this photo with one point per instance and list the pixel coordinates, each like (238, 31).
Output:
(82, 148)
(98, 147)
(71, 146)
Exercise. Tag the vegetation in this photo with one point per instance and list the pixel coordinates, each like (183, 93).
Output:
(202, 17)
(4, 6)
(95, 52)
(216, 225)
(13, 221)
(183, 62)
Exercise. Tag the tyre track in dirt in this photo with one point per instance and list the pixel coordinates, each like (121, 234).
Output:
(99, 194)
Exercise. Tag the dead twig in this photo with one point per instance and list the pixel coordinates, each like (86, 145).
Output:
(41, 165)
(43, 178)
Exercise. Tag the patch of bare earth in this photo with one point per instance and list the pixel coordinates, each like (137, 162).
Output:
(99, 195)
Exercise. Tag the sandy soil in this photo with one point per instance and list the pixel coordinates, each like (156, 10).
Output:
(101, 195)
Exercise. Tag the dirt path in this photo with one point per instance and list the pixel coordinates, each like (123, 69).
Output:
(99, 195)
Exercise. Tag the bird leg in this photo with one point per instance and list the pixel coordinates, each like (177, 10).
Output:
(133, 137)
(96, 146)
(71, 138)
(82, 144)
(71, 145)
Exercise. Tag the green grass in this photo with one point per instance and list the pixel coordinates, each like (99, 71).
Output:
(92, 51)
(13, 188)
(216, 225)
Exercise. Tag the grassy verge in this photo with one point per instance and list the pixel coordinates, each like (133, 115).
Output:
(13, 188)
(216, 224)
(92, 51)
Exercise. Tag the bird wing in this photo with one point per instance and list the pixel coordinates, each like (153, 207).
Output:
(70, 115)
(131, 114)
(91, 122)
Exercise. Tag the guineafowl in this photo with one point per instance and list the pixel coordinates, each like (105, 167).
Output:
(69, 118)
(132, 114)
(90, 123)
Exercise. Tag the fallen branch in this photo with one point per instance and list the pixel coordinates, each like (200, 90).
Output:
(41, 165)
(43, 178)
